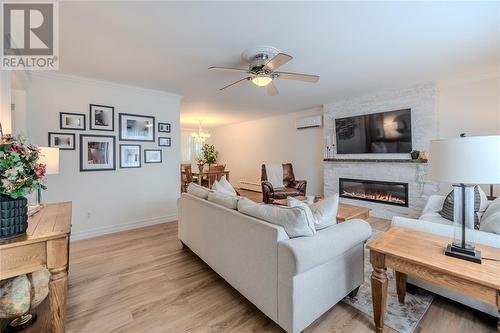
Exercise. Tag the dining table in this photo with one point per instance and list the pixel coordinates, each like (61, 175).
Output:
(199, 175)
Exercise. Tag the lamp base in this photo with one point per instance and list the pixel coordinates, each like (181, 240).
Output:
(465, 254)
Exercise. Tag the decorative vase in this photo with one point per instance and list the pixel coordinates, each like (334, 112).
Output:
(13, 216)
(414, 154)
(200, 167)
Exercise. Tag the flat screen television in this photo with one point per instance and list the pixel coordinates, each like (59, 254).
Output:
(376, 133)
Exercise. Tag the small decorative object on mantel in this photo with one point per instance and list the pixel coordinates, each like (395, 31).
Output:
(414, 154)
(21, 173)
(423, 156)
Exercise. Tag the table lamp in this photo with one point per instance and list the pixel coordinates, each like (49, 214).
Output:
(465, 162)
(50, 157)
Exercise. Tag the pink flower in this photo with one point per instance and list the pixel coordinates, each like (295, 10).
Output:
(16, 148)
(40, 170)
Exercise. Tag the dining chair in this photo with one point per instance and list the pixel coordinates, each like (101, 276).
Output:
(216, 172)
(186, 176)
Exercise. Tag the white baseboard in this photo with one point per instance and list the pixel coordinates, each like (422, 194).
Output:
(122, 227)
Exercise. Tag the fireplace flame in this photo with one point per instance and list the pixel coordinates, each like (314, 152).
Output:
(377, 196)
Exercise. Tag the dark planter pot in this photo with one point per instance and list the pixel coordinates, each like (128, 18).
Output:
(414, 154)
(13, 216)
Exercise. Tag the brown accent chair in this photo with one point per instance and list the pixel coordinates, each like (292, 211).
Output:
(292, 187)
(186, 176)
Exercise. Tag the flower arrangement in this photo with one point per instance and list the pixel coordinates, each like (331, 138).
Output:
(19, 167)
(209, 153)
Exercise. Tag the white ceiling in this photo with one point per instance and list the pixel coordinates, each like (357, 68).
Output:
(356, 47)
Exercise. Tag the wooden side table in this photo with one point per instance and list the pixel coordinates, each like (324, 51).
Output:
(45, 245)
(421, 255)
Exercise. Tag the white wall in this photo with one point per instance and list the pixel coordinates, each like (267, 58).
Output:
(245, 146)
(106, 201)
(470, 106)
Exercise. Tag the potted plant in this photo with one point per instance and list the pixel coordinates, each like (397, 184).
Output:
(200, 161)
(21, 174)
(209, 153)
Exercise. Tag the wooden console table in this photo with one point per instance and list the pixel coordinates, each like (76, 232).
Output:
(45, 245)
(421, 255)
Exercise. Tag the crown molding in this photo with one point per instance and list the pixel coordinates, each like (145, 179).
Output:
(53, 75)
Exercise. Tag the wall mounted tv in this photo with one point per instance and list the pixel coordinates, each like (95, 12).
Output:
(376, 133)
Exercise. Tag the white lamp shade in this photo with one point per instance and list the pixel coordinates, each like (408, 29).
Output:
(50, 157)
(467, 160)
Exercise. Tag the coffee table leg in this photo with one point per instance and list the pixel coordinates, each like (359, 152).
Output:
(379, 289)
(401, 286)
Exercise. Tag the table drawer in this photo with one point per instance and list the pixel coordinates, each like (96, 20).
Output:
(23, 259)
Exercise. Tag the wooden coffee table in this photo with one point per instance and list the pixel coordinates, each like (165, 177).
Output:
(346, 212)
(421, 255)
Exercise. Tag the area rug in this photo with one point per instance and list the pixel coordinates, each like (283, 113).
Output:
(402, 318)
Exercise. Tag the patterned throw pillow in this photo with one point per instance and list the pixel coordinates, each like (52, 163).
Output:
(447, 210)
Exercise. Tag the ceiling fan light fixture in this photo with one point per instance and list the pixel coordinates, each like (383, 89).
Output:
(261, 80)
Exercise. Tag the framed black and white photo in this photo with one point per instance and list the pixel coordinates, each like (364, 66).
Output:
(73, 121)
(152, 156)
(130, 156)
(163, 128)
(136, 127)
(102, 118)
(164, 142)
(97, 152)
(63, 141)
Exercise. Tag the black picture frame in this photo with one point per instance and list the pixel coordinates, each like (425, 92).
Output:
(122, 137)
(167, 130)
(50, 134)
(82, 136)
(61, 126)
(146, 153)
(168, 144)
(140, 157)
(92, 124)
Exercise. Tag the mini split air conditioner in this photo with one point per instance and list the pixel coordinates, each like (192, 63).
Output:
(309, 122)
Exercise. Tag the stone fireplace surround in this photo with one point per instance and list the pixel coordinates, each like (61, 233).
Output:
(386, 167)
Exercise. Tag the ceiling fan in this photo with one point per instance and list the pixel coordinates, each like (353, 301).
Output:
(263, 62)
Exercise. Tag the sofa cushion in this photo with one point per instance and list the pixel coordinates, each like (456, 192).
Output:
(324, 211)
(227, 185)
(297, 221)
(223, 199)
(217, 186)
(480, 202)
(198, 191)
(490, 221)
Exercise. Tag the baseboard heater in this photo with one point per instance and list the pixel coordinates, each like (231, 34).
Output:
(250, 186)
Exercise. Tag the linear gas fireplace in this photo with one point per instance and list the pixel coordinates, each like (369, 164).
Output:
(373, 190)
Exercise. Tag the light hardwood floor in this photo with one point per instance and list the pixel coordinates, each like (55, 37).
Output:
(144, 281)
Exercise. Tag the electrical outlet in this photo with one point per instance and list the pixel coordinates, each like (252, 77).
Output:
(88, 215)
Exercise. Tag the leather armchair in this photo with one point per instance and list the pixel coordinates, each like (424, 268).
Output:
(292, 187)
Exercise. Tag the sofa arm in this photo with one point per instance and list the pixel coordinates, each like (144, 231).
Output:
(300, 254)
(300, 185)
(434, 204)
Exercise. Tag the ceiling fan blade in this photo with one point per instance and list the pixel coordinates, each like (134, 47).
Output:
(227, 69)
(298, 77)
(278, 60)
(271, 89)
(235, 83)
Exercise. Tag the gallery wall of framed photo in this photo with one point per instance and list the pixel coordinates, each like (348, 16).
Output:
(113, 165)
(100, 152)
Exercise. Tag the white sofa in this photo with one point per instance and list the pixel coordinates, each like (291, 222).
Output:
(293, 281)
(430, 221)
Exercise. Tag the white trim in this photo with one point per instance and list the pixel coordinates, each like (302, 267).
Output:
(122, 227)
(95, 82)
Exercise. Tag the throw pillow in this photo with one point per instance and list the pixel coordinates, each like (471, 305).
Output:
(448, 206)
(198, 191)
(490, 221)
(216, 186)
(226, 200)
(324, 211)
(227, 185)
(296, 221)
